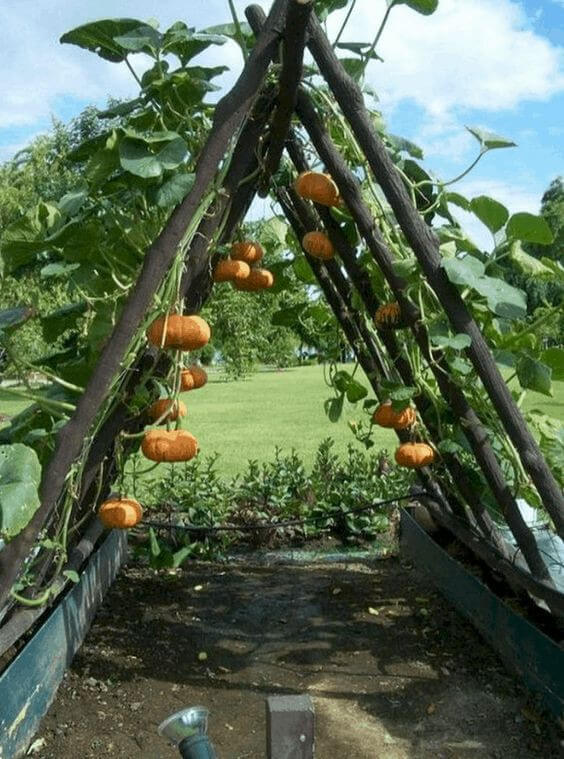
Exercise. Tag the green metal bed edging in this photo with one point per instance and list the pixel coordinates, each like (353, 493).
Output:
(523, 648)
(29, 684)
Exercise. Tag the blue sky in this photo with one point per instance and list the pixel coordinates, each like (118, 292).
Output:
(498, 64)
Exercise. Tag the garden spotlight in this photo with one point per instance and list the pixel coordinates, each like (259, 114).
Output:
(187, 729)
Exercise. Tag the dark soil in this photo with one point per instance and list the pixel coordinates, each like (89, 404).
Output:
(393, 671)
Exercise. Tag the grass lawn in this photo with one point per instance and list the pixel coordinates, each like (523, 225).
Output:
(248, 419)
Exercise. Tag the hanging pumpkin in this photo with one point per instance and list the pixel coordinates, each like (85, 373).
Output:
(193, 378)
(248, 251)
(318, 245)
(176, 409)
(228, 270)
(184, 332)
(258, 279)
(385, 416)
(414, 455)
(169, 445)
(318, 187)
(388, 316)
(120, 513)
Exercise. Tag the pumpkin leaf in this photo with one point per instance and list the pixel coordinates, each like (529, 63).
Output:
(100, 37)
(401, 397)
(463, 271)
(528, 264)
(554, 359)
(529, 228)
(490, 212)
(12, 318)
(355, 391)
(174, 190)
(490, 140)
(534, 375)
(141, 160)
(20, 475)
(425, 7)
(334, 408)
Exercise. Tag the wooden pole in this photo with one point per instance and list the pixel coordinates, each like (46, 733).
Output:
(425, 246)
(229, 114)
(292, 61)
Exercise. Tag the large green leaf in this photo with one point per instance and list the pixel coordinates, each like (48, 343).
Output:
(138, 158)
(13, 318)
(99, 37)
(174, 190)
(143, 39)
(529, 264)
(490, 140)
(287, 317)
(355, 391)
(534, 375)
(490, 212)
(529, 228)
(456, 342)
(20, 475)
(185, 43)
(55, 323)
(426, 7)
(554, 358)
(463, 271)
(503, 299)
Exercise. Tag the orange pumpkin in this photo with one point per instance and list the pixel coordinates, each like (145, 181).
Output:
(228, 270)
(258, 279)
(193, 378)
(169, 445)
(120, 513)
(318, 245)
(248, 251)
(317, 187)
(388, 316)
(185, 332)
(414, 455)
(385, 416)
(176, 409)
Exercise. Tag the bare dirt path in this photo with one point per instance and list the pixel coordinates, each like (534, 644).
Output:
(393, 671)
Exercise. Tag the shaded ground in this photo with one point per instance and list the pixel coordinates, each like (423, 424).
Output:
(393, 671)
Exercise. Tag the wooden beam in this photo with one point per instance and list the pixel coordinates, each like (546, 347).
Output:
(292, 63)
(229, 114)
(426, 248)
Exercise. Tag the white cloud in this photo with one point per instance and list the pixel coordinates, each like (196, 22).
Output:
(514, 197)
(470, 54)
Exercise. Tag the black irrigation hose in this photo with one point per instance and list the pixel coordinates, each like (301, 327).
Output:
(275, 525)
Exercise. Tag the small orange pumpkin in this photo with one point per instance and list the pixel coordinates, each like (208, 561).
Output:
(258, 279)
(228, 270)
(388, 316)
(248, 251)
(176, 409)
(169, 445)
(317, 187)
(414, 455)
(385, 416)
(120, 513)
(193, 378)
(185, 332)
(318, 245)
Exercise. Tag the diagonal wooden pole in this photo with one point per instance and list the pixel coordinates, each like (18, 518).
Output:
(294, 41)
(473, 429)
(229, 115)
(425, 246)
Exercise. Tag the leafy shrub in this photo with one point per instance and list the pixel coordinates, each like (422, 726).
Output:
(273, 491)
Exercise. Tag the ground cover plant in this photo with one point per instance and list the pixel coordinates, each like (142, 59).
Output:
(157, 205)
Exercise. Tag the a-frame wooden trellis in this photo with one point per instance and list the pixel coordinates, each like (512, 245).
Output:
(247, 111)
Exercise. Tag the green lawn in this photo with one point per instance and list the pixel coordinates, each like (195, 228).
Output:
(248, 419)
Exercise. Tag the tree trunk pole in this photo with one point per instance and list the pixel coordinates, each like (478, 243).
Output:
(425, 246)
